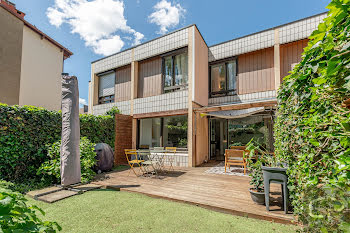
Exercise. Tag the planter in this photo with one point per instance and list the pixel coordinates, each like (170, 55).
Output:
(257, 197)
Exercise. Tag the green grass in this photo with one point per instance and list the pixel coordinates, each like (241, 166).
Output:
(112, 211)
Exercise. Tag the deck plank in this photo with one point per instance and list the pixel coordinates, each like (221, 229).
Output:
(192, 185)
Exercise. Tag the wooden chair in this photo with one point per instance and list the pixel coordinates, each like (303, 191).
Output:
(132, 158)
(238, 147)
(171, 151)
(235, 157)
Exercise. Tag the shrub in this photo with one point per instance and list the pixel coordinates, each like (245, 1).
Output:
(25, 132)
(313, 129)
(114, 110)
(17, 216)
(51, 168)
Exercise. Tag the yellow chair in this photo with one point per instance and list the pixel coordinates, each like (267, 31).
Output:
(172, 151)
(235, 157)
(130, 153)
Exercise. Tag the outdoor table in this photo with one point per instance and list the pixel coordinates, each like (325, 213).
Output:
(156, 155)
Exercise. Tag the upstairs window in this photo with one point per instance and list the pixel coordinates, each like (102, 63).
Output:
(175, 71)
(223, 78)
(106, 87)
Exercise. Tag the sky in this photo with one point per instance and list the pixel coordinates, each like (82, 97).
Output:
(92, 29)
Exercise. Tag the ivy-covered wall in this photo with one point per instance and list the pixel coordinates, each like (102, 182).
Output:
(25, 133)
(313, 128)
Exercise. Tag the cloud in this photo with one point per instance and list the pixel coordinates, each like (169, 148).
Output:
(97, 22)
(166, 15)
(82, 101)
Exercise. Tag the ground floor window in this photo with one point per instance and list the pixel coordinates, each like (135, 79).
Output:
(163, 131)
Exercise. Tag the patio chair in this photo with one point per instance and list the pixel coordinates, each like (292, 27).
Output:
(238, 147)
(145, 155)
(158, 155)
(235, 157)
(132, 158)
(171, 151)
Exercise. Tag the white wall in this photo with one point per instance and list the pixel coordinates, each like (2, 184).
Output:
(41, 70)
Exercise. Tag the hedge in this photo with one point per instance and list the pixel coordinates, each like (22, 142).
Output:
(26, 132)
(312, 130)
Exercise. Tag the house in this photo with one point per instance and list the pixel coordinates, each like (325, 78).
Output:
(31, 62)
(178, 91)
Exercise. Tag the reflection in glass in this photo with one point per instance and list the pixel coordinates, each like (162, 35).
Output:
(218, 78)
(181, 69)
(231, 75)
(175, 131)
(168, 72)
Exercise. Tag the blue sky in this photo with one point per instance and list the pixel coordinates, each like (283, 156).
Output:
(105, 26)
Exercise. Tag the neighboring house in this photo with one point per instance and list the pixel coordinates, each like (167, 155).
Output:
(181, 92)
(31, 62)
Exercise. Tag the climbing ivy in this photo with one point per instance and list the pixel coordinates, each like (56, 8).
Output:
(312, 130)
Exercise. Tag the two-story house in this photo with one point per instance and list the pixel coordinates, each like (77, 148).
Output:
(180, 92)
(31, 62)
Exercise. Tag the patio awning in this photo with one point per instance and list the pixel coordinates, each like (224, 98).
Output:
(233, 114)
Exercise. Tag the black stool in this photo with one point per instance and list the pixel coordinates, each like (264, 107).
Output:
(279, 176)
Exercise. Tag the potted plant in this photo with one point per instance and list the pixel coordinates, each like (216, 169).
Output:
(257, 158)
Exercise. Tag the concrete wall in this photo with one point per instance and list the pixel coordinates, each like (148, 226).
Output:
(201, 69)
(10, 57)
(41, 69)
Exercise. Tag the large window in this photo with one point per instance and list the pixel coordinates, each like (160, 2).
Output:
(163, 131)
(223, 78)
(175, 71)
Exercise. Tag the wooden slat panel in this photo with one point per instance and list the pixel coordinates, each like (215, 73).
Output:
(255, 72)
(150, 77)
(290, 55)
(123, 84)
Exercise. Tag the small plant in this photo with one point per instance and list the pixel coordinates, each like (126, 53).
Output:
(51, 168)
(258, 157)
(17, 216)
(114, 110)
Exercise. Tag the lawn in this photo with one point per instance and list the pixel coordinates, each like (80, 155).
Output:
(112, 211)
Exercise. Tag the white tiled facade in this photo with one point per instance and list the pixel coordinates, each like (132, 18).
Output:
(172, 41)
(123, 106)
(300, 29)
(287, 33)
(242, 45)
(258, 96)
(165, 102)
(164, 44)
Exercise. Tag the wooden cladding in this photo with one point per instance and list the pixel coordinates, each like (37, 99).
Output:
(256, 72)
(123, 83)
(290, 55)
(150, 78)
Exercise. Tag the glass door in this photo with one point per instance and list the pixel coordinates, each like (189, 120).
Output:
(218, 138)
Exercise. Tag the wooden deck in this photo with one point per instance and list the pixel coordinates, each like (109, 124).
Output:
(222, 193)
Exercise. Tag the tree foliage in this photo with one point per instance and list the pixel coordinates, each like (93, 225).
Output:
(312, 128)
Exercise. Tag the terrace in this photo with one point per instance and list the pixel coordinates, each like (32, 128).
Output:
(223, 193)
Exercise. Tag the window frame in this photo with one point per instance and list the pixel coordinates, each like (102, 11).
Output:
(230, 92)
(108, 98)
(172, 54)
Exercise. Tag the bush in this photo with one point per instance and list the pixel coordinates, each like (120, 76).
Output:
(51, 168)
(17, 216)
(111, 112)
(25, 132)
(313, 129)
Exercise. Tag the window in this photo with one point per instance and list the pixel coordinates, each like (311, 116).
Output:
(223, 78)
(175, 71)
(163, 131)
(106, 88)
